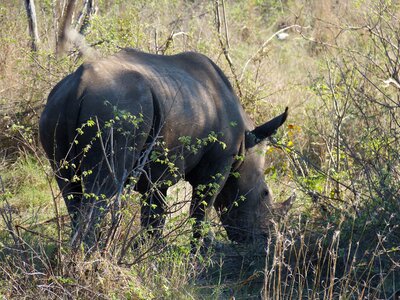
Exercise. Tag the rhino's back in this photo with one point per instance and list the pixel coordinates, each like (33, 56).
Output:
(193, 96)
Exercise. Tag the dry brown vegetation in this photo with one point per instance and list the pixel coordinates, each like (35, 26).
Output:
(337, 70)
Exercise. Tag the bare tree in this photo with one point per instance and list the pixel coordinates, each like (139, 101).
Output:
(86, 13)
(32, 21)
(68, 31)
(65, 25)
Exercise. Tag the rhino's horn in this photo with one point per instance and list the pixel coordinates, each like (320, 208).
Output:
(265, 130)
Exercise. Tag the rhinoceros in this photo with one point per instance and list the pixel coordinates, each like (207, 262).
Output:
(150, 120)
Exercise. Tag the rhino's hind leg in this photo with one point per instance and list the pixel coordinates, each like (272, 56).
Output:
(106, 167)
(103, 186)
(72, 194)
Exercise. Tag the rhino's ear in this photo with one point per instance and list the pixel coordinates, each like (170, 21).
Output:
(265, 130)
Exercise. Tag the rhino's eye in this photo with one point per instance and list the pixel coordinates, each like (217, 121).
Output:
(266, 193)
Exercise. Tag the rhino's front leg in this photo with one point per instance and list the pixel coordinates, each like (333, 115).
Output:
(205, 190)
(152, 215)
(198, 209)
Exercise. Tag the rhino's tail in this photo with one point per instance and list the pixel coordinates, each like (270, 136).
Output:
(78, 40)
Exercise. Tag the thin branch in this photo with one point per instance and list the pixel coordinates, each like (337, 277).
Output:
(225, 45)
(261, 49)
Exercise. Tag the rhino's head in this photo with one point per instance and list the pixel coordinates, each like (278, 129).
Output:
(245, 202)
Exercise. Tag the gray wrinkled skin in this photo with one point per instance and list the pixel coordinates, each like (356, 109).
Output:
(184, 95)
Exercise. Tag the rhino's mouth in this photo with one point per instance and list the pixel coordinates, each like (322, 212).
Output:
(245, 235)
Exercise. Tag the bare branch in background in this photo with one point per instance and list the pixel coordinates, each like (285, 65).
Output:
(224, 41)
(167, 44)
(32, 22)
(86, 14)
(262, 48)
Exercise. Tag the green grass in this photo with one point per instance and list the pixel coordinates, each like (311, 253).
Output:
(28, 190)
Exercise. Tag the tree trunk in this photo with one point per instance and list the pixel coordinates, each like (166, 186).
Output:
(65, 25)
(84, 18)
(33, 31)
